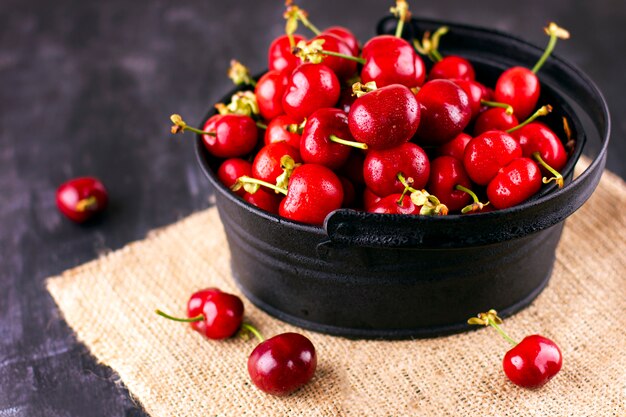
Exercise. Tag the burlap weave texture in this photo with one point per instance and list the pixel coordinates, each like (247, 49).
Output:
(173, 371)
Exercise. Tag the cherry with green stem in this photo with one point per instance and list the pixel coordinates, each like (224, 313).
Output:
(451, 67)
(429, 204)
(476, 206)
(519, 86)
(240, 74)
(532, 362)
(216, 314)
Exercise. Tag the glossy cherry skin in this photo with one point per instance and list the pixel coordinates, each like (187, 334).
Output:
(236, 135)
(280, 56)
(223, 313)
(381, 168)
(532, 362)
(266, 165)
(385, 118)
(445, 110)
(282, 364)
(520, 88)
(475, 93)
(446, 173)
(537, 137)
(90, 190)
(390, 205)
(452, 67)
(277, 131)
(346, 36)
(232, 169)
(314, 191)
(343, 68)
(514, 183)
(494, 119)
(316, 146)
(456, 147)
(390, 60)
(269, 92)
(487, 153)
(264, 199)
(311, 87)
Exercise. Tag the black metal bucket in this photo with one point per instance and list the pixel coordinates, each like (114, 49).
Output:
(390, 276)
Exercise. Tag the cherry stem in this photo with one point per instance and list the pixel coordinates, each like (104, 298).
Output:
(405, 182)
(351, 143)
(180, 126)
(195, 319)
(307, 23)
(543, 111)
(555, 32)
(495, 325)
(477, 205)
(558, 178)
(508, 108)
(249, 180)
(339, 55)
(406, 190)
(261, 125)
(86, 203)
(250, 328)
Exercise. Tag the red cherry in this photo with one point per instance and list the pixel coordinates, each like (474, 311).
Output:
(269, 92)
(317, 145)
(495, 118)
(231, 169)
(216, 314)
(456, 147)
(445, 110)
(346, 36)
(381, 168)
(475, 92)
(343, 68)
(487, 153)
(80, 199)
(311, 87)
(514, 183)
(282, 364)
(280, 56)
(533, 361)
(452, 67)
(264, 199)
(537, 137)
(314, 191)
(369, 199)
(235, 135)
(395, 204)
(277, 131)
(520, 88)
(530, 363)
(385, 118)
(267, 166)
(446, 173)
(391, 60)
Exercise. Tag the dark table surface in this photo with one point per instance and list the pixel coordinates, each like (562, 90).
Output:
(86, 88)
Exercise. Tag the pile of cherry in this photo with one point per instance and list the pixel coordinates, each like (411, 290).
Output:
(368, 128)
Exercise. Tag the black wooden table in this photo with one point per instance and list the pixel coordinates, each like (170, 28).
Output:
(86, 88)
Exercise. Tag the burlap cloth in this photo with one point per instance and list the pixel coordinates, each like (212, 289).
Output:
(173, 371)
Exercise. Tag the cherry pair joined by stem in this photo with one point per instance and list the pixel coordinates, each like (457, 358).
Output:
(532, 362)
(80, 199)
